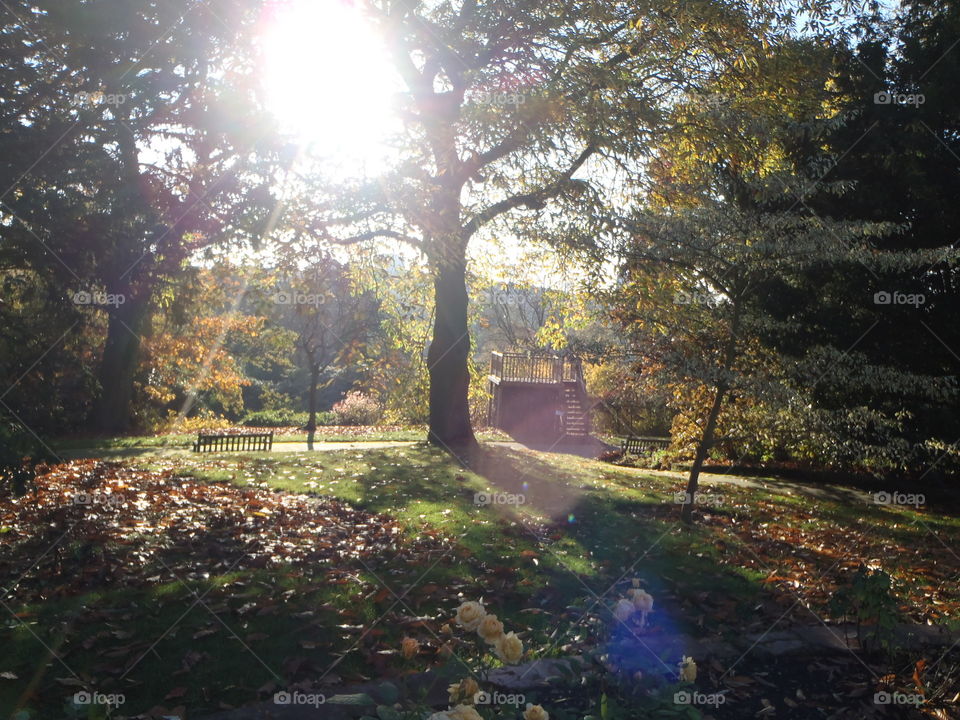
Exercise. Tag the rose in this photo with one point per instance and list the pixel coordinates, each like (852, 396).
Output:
(535, 712)
(509, 648)
(463, 690)
(469, 615)
(490, 629)
(409, 647)
(623, 610)
(463, 712)
(642, 600)
(688, 669)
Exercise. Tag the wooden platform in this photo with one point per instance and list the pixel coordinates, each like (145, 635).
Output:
(539, 397)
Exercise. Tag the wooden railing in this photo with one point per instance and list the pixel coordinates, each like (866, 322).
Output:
(518, 367)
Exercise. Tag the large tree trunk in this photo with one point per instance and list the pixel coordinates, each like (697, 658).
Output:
(112, 410)
(448, 358)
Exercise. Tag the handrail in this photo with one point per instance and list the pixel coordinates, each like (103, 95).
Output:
(535, 368)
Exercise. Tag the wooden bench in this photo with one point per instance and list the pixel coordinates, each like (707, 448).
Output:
(261, 442)
(638, 445)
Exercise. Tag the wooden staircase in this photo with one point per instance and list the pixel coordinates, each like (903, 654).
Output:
(540, 397)
(576, 419)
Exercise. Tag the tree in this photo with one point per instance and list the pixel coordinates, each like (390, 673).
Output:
(516, 115)
(127, 153)
(332, 321)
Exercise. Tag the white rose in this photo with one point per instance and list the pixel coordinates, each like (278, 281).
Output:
(465, 689)
(490, 629)
(623, 610)
(535, 712)
(469, 615)
(643, 601)
(509, 648)
(463, 712)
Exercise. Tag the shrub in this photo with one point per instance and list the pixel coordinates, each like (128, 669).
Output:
(327, 417)
(357, 408)
(204, 422)
(275, 418)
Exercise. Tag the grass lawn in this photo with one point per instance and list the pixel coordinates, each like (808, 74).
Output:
(204, 581)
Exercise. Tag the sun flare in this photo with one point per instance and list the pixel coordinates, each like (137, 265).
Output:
(329, 81)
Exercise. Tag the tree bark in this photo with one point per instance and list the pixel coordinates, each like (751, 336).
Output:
(448, 357)
(118, 365)
(312, 405)
(709, 431)
(703, 447)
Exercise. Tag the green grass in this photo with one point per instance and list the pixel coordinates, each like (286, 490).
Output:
(324, 435)
(586, 528)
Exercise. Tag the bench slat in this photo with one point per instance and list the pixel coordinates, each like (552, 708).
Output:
(251, 442)
(637, 445)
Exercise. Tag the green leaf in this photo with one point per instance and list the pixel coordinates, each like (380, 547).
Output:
(388, 693)
(385, 712)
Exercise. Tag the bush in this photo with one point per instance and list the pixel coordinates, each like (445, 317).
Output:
(205, 421)
(276, 418)
(327, 417)
(357, 409)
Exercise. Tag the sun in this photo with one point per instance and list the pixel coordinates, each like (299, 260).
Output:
(329, 81)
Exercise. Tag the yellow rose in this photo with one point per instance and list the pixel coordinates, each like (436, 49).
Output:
(409, 647)
(535, 712)
(509, 648)
(469, 615)
(623, 610)
(490, 629)
(463, 712)
(463, 690)
(688, 670)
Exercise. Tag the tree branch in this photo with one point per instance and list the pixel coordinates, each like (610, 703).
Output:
(533, 199)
